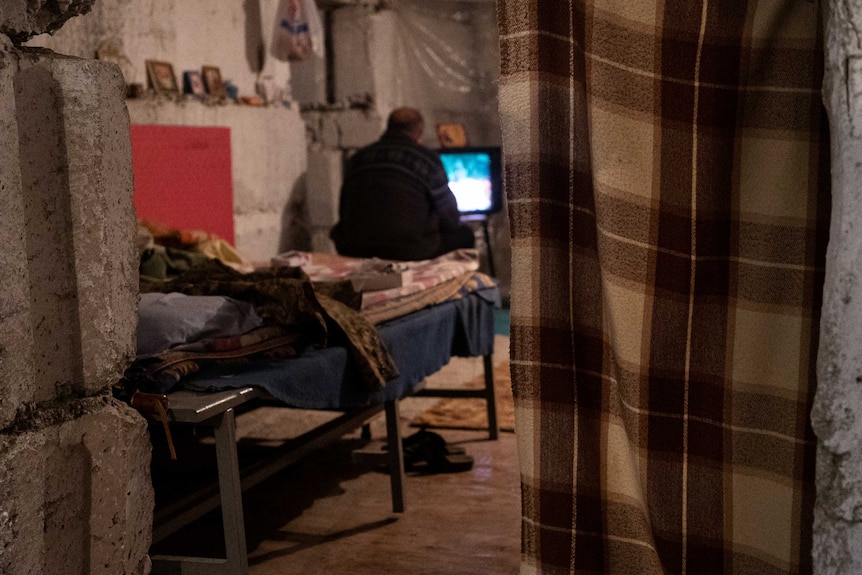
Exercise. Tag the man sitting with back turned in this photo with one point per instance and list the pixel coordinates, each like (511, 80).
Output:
(395, 202)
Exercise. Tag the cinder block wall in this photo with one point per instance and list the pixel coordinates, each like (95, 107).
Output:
(75, 491)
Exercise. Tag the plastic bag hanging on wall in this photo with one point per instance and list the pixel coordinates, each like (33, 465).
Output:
(298, 31)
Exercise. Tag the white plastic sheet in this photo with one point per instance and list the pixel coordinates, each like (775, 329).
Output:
(298, 31)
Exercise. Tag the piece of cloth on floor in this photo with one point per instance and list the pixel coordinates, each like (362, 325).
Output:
(667, 172)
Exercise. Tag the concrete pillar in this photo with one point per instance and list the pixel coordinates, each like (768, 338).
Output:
(75, 491)
(75, 495)
(17, 374)
(353, 72)
(837, 412)
(323, 188)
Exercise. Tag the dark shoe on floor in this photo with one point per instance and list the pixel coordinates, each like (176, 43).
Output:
(427, 452)
(423, 436)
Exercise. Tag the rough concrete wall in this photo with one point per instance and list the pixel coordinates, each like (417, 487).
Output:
(75, 495)
(333, 134)
(400, 73)
(233, 35)
(353, 64)
(268, 157)
(21, 19)
(837, 412)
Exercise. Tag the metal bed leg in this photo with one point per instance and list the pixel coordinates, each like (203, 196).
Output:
(490, 397)
(230, 491)
(395, 455)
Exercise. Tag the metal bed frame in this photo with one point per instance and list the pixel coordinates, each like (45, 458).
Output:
(217, 411)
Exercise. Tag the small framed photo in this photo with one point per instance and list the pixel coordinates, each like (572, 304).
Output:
(161, 77)
(213, 82)
(193, 84)
(451, 135)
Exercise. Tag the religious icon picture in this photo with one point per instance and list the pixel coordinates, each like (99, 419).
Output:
(213, 82)
(161, 77)
(451, 135)
(193, 84)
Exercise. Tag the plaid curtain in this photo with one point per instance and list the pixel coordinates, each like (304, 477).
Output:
(668, 180)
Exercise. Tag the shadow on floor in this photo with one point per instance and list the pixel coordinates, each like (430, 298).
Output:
(267, 506)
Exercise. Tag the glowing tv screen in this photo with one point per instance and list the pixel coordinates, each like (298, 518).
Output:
(475, 177)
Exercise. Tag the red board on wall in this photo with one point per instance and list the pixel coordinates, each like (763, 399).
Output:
(183, 177)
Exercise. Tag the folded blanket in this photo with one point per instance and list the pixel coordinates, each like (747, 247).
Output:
(160, 373)
(426, 283)
(418, 276)
(285, 298)
(172, 319)
(455, 288)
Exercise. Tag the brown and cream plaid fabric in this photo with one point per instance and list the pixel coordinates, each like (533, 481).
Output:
(668, 183)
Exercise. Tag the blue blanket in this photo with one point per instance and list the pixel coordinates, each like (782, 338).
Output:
(420, 343)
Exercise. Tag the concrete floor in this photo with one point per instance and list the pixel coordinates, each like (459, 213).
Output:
(328, 515)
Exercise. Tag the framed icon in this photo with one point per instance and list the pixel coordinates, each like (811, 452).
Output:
(161, 77)
(193, 84)
(212, 81)
(451, 135)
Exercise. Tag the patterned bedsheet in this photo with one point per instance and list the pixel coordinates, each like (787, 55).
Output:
(424, 283)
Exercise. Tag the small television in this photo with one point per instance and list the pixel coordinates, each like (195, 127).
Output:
(475, 177)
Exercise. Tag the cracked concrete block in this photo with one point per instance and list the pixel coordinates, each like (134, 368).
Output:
(121, 493)
(16, 335)
(359, 128)
(76, 182)
(76, 496)
(22, 19)
(324, 186)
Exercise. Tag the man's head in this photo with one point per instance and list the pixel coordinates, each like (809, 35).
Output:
(407, 121)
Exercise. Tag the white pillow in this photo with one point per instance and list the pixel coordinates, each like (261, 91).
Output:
(167, 320)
